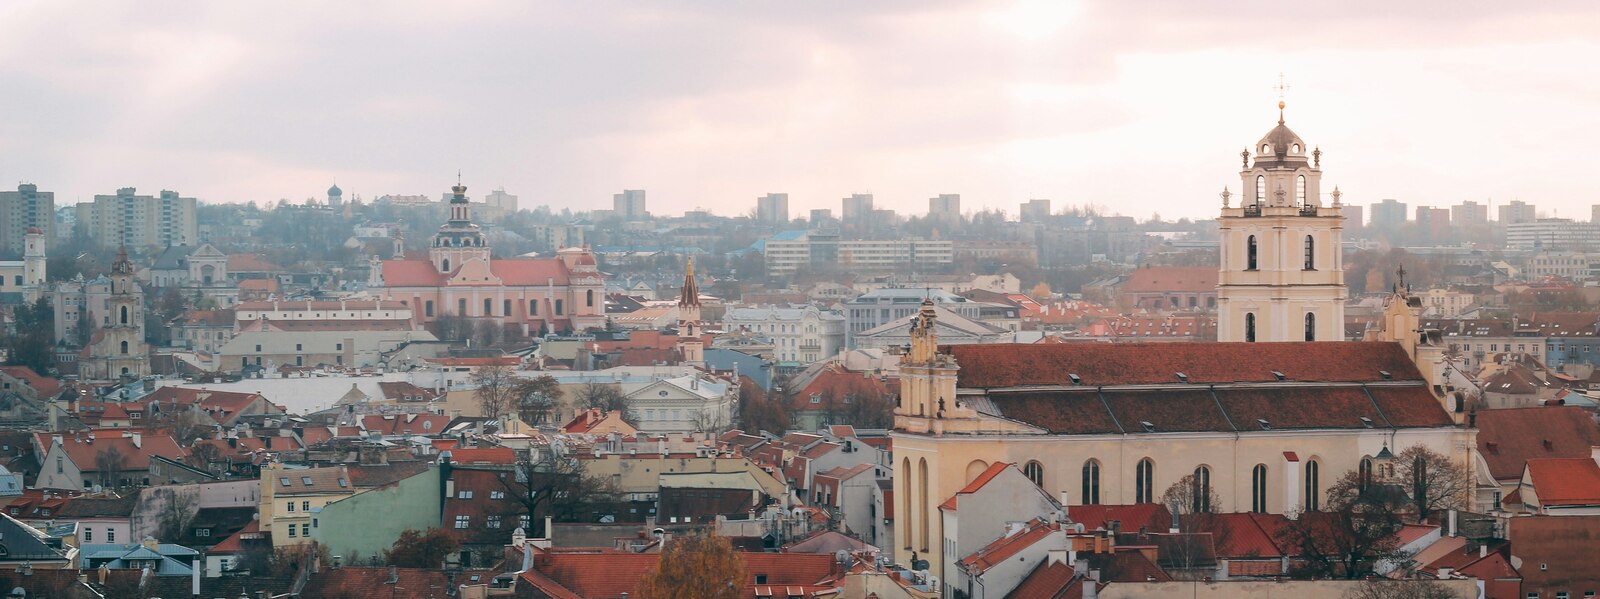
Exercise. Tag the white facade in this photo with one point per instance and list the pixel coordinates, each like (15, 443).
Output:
(798, 334)
(1282, 272)
(322, 310)
(683, 404)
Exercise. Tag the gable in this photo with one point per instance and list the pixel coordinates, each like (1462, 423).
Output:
(474, 272)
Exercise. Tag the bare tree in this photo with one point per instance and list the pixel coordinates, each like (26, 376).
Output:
(496, 385)
(1356, 530)
(606, 398)
(187, 424)
(177, 512)
(560, 487)
(536, 398)
(108, 464)
(1414, 588)
(1435, 482)
(1191, 495)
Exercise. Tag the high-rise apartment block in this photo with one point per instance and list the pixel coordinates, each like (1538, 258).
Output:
(945, 207)
(1429, 218)
(141, 221)
(1469, 213)
(1517, 212)
(502, 201)
(1035, 211)
(773, 208)
(1354, 216)
(1389, 213)
(629, 205)
(24, 209)
(857, 208)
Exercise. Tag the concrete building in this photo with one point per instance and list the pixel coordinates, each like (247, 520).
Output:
(1034, 211)
(1354, 216)
(856, 209)
(773, 209)
(25, 209)
(953, 329)
(629, 205)
(1433, 221)
(790, 251)
(1469, 214)
(461, 278)
(819, 217)
(1282, 272)
(1389, 213)
(801, 334)
(945, 208)
(882, 306)
(1553, 234)
(1517, 211)
(1577, 266)
(500, 201)
(340, 343)
(141, 221)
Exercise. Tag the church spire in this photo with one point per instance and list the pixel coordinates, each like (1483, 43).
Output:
(690, 296)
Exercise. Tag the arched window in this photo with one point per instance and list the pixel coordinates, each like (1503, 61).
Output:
(922, 481)
(124, 348)
(1313, 500)
(1035, 472)
(1311, 327)
(975, 469)
(124, 315)
(1250, 252)
(1258, 489)
(905, 504)
(1261, 186)
(1200, 501)
(1091, 483)
(588, 298)
(1300, 189)
(1311, 253)
(1250, 327)
(1143, 481)
(1364, 474)
(446, 267)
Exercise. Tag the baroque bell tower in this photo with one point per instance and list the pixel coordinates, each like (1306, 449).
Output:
(459, 240)
(1282, 273)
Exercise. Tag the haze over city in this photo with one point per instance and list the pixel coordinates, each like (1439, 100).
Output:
(1138, 107)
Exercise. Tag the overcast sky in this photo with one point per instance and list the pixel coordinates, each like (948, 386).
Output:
(1137, 106)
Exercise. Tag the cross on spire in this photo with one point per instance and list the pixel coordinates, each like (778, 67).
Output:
(1282, 87)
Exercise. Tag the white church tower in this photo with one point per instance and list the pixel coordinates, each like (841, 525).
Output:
(1282, 276)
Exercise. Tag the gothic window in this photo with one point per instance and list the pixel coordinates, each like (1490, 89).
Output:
(1143, 481)
(1313, 471)
(1200, 502)
(1035, 472)
(1300, 189)
(1261, 188)
(1364, 474)
(1091, 483)
(1311, 253)
(1250, 252)
(1258, 489)
(1250, 327)
(1311, 327)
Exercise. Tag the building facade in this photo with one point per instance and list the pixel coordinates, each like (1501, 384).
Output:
(24, 280)
(25, 209)
(799, 334)
(461, 278)
(629, 205)
(141, 221)
(773, 208)
(1282, 273)
(117, 348)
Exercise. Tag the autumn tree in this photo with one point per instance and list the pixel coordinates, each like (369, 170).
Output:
(417, 549)
(1354, 532)
(536, 398)
(495, 387)
(696, 567)
(1435, 482)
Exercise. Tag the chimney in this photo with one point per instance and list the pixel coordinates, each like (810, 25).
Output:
(1064, 503)
(138, 440)
(1483, 550)
(1454, 518)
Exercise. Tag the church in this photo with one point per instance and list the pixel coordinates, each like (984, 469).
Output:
(116, 349)
(459, 277)
(1267, 427)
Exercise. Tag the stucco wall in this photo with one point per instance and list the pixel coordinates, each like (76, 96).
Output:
(366, 524)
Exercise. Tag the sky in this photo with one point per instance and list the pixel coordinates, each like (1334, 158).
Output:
(1139, 107)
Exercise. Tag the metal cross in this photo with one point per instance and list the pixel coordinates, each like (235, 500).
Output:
(1281, 87)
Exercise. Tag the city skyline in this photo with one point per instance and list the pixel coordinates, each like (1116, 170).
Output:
(1074, 103)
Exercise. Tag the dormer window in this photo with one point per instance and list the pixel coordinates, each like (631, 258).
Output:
(1294, 149)
(1266, 148)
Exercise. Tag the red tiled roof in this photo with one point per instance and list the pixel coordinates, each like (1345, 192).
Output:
(1565, 481)
(1510, 437)
(250, 263)
(484, 361)
(405, 424)
(1164, 279)
(483, 455)
(1049, 580)
(607, 574)
(1003, 548)
(518, 272)
(1556, 552)
(1235, 535)
(235, 542)
(373, 583)
(1152, 516)
(45, 386)
(1014, 365)
(402, 390)
(977, 483)
(82, 449)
